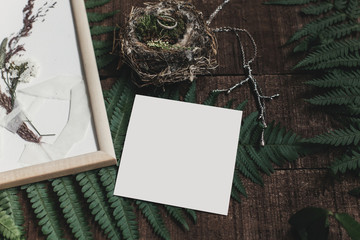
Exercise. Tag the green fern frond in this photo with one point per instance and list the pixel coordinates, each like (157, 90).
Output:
(338, 96)
(337, 78)
(340, 137)
(114, 95)
(71, 207)
(235, 195)
(349, 61)
(191, 94)
(104, 60)
(318, 25)
(346, 163)
(102, 44)
(98, 17)
(171, 92)
(242, 105)
(340, 30)
(331, 51)
(9, 202)
(322, 7)
(289, 2)
(99, 207)
(45, 209)
(192, 214)
(101, 52)
(353, 9)
(211, 99)
(238, 186)
(343, 111)
(8, 227)
(281, 146)
(120, 116)
(247, 127)
(352, 110)
(246, 166)
(262, 163)
(152, 214)
(122, 209)
(95, 3)
(97, 30)
(340, 4)
(177, 214)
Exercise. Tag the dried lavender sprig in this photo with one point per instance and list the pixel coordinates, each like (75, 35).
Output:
(24, 132)
(29, 18)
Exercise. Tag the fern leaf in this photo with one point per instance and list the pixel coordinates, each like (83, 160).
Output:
(120, 117)
(45, 210)
(97, 30)
(346, 163)
(289, 2)
(177, 214)
(104, 60)
(191, 94)
(337, 96)
(9, 202)
(235, 195)
(92, 191)
(263, 164)
(101, 52)
(171, 92)
(353, 9)
(123, 211)
(247, 127)
(95, 3)
(152, 214)
(322, 7)
(347, 61)
(71, 207)
(8, 227)
(237, 184)
(340, 30)
(340, 4)
(245, 165)
(330, 51)
(102, 44)
(113, 96)
(211, 99)
(337, 78)
(347, 111)
(192, 214)
(340, 137)
(229, 104)
(98, 17)
(242, 105)
(318, 25)
(281, 146)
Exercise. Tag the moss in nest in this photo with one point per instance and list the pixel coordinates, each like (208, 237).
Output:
(167, 42)
(148, 30)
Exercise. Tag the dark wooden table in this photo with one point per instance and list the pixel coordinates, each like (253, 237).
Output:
(265, 213)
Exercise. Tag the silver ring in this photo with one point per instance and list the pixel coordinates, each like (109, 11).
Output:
(171, 19)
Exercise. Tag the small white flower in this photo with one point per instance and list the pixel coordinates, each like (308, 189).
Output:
(23, 69)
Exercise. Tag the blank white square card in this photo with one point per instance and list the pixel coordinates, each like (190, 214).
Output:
(179, 154)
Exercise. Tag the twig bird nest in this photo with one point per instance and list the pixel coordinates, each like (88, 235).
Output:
(167, 42)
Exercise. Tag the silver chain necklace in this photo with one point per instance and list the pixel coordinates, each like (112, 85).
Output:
(259, 97)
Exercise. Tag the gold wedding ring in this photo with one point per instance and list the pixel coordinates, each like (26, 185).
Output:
(167, 19)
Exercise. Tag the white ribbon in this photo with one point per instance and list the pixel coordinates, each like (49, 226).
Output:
(62, 88)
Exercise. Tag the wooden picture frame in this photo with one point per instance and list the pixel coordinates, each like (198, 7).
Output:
(104, 155)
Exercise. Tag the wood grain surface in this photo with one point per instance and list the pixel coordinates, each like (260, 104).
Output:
(264, 214)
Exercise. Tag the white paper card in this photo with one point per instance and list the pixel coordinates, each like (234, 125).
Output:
(179, 154)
